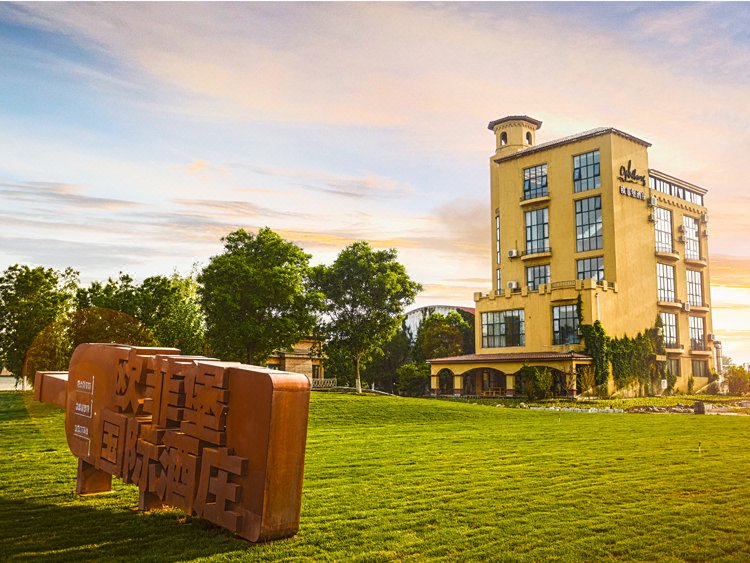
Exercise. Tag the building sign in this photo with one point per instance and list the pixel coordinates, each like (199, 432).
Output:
(631, 175)
(630, 192)
(221, 440)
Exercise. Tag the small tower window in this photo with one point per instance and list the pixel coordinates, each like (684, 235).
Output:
(528, 137)
(503, 138)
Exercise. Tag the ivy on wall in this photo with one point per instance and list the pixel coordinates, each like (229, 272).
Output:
(633, 360)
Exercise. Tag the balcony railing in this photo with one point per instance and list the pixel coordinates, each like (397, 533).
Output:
(544, 250)
(699, 345)
(534, 194)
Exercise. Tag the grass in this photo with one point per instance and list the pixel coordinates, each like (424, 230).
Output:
(414, 479)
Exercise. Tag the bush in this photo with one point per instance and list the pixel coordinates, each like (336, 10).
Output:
(413, 379)
(537, 382)
(713, 388)
(738, 380)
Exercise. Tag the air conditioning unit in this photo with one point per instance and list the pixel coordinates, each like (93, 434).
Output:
(513, 253)
(651, 217)
(711, 337)
(652, 201)
(686, 307)
(704, 217)
(681, 228)
(513, 285)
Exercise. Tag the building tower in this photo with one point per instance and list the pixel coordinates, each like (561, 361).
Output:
(583, 227)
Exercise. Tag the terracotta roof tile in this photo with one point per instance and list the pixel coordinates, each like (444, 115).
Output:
(510, 357)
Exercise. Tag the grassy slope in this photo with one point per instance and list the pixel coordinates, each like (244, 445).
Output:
(390, 479)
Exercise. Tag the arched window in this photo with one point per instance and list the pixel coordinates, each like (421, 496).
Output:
(528, 137)
(503, 138)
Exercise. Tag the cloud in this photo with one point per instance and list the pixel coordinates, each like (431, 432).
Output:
(368, 186)
(730, 271)
(60, 194)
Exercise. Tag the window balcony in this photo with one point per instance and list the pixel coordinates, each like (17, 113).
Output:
(545, 252)
(696, 262)
(536, 196)
(699, 346)
(667, 252)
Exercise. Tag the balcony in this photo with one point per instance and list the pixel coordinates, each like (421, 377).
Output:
(545, 252)
(699, 347)
(696, 262)
(534, 196)
(699, 307)
(667, 252)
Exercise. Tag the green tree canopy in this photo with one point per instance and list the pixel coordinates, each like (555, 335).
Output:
(364, 293)
(440, 336)
(30, 299)
(255, 297)
(168, 306)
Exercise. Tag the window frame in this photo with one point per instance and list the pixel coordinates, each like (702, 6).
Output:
(571, 314)
(592, 180)
(496, 325)
(584, 212)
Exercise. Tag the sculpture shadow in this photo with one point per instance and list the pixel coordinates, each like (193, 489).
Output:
(32, 531)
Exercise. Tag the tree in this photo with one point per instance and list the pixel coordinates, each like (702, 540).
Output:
(738, 380)
(440, 336)
(385, 362)
(254, 296)
(364, 293)
(413, 379)
(168, 306)
(30, 299)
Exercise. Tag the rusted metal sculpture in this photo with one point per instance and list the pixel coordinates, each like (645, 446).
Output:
(221, 440)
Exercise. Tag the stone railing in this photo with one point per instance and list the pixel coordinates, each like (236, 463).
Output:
(328, 383)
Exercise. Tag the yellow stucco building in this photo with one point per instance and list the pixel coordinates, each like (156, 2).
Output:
(584, 216)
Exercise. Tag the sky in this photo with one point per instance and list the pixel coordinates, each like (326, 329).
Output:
(134, 136)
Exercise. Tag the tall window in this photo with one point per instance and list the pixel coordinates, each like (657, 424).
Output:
(673, 367)
(663, 226)
(501, 329)
(690, 232)
(665, 282)
(537, 275)
(700, 368)
(669, 322)
(695, 288)
(586, 175)
(499, 279)
(588, 224)
(565, 325)
(535, 182)
(537, 231)
(697, 330)
(591, 268)
(497, 238)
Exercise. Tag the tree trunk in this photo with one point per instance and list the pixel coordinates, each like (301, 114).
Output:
(359, 381)
(249, 354)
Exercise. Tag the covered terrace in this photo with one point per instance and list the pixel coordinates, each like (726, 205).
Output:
(496, 375)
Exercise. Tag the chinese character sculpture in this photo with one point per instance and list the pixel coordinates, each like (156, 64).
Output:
(221, 440)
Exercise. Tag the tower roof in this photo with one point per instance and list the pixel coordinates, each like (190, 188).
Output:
(535, 122)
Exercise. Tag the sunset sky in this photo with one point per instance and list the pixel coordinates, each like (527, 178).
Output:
(134, 136)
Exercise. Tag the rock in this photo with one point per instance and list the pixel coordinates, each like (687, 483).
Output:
(523, 406)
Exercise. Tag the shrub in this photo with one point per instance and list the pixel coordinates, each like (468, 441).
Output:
(713, 388)
(738, 380)
(413, 379)
(537, 382)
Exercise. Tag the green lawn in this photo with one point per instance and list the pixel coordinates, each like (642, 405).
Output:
(399, 479)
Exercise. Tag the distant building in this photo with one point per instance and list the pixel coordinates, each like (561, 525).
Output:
(300, 358)
(585, 217)
(416, 316)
